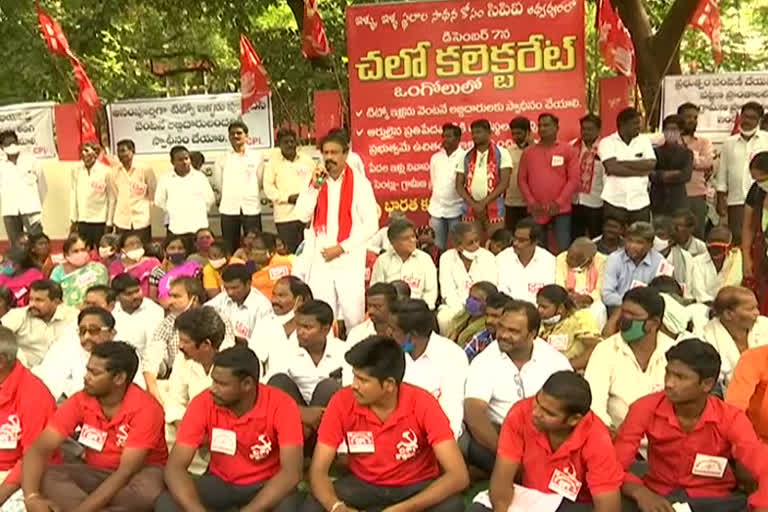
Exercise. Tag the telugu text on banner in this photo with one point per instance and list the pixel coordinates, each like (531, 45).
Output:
(415, 66)
(33, 123)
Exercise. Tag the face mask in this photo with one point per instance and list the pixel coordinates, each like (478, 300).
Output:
(660, 244)
(204, 244)
(106, 252)
(472, 256)
(672, 137)
(79, 259)
(632, 330)
(474, 306)
(6, 270)
(408, 345)
(748, 133)
(284, 319)
(13, 149)
(135, 254)
(551, 320)
(176, 257)
(218, 263)
(189, 305)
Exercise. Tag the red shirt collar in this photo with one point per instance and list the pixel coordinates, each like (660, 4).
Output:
(257, 411)
(666, 411)
(575, 441)
(404, 408)
(130, 399)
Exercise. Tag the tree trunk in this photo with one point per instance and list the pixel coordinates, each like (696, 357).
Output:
(657, 54)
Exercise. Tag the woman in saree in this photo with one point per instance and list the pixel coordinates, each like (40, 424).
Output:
(40, 253)
(133, 261)
(78, 272)
(754, 234)
(18, 272)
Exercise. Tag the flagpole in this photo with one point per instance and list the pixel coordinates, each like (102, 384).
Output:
(661, 80)
(342, 94)
(54, 61)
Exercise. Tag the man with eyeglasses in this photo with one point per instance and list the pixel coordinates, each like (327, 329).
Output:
(63, 368)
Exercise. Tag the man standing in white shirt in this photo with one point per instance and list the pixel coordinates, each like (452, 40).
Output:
(238, 175)
(733, 178)
(22, 189)
(525, 268)
(482, 178)
(407, 263)
(136, 317)
(445, 205)
(379, 299)
(432, 362)
(134, 189)
(186, 195)
(510, 369)
(628, 159)
(285, 175)
(587, 203)
(341, 208)
(311, 372)
(90, 198)
(242, 305)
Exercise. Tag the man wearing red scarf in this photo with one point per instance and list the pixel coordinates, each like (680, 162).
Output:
(340, 206)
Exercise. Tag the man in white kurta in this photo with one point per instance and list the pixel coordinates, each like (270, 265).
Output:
(342, 220)
(719, 266)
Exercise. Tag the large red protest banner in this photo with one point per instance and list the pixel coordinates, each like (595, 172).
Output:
(414, 66)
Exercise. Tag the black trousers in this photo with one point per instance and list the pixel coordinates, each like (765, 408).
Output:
(513, 215)
(15, 225)
(476, 454)
(733, 503)
(292, 233)
(232, 227)
(374, 498)
(586, 221)
(144, 233)
(219, 496)
(91, 232)
(627, 216)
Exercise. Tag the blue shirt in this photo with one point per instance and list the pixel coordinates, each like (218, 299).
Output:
(621, 272)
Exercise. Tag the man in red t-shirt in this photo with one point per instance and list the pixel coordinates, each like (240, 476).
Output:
(255, 439)
(558, 446)
(122, 431)
(402, 452)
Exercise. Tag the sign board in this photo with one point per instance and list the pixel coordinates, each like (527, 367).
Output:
(33, 122)
(414, 66)
(198, 122)
(719, 97)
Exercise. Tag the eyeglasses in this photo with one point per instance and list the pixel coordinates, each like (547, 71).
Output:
(93, 331)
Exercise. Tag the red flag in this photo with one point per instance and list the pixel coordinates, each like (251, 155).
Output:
(54, 37)
(314, 42)
(615, 41)
(707, 19)
(254, 81)
(736, 124)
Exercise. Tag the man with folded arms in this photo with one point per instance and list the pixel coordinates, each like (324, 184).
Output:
(560, 447)
(402, 455)
(254, 435)
(691, 435)
(121, 428)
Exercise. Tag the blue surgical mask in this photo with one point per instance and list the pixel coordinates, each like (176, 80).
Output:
(408, 345)
(474, 306)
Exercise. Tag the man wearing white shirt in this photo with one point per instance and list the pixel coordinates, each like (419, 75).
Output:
(719, 266)
(340, 206)
(238, 176)
(244, 306)
(136, 317)
(64, 366)
(407, 263)
(379, 299)
(510, 369)
(460, 268)
(587, 203)
(432, 362)
(91, 196)
(733, 179)
(525, 268)
(134, 189)
(628, 158)
(312, 371)
(22, 189)
(445, 204)
(186, 195)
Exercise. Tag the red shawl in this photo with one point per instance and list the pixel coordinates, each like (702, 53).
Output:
(495, 209)
(587, 165)
(320, 221)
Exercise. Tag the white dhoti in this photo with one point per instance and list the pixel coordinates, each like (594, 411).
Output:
(340, 283)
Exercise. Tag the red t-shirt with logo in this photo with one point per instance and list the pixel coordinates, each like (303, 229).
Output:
(395, 452)
(139, 423)
(586, 462)
(26, 405)
(244, 450)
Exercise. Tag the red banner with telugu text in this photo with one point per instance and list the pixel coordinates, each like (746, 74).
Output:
(414, 66)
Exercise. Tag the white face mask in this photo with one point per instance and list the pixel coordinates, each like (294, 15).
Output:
(106, 252)
(471, 255)
(218, 263)
(551, 320)
(134, 254)
(660, 244)
(13, 149)
(748, 133)
(284, 319)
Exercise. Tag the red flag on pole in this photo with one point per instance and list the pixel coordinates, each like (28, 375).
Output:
(54, 37)
(707, 19)
(736, 124)
(314, 42)
(615, 41)
(254, 81)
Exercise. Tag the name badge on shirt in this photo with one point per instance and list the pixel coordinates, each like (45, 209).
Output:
(98, 186)
(557, 161)
(565, 484)
(665, 268)
(242, 330)
(223, 441)
(92, 437)
(637, 284)
(534, 288)
(10, 432)
(360, 442)
(278, 272)
(413, 282)
(709, 465)
(138, 189)
(559, 341)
